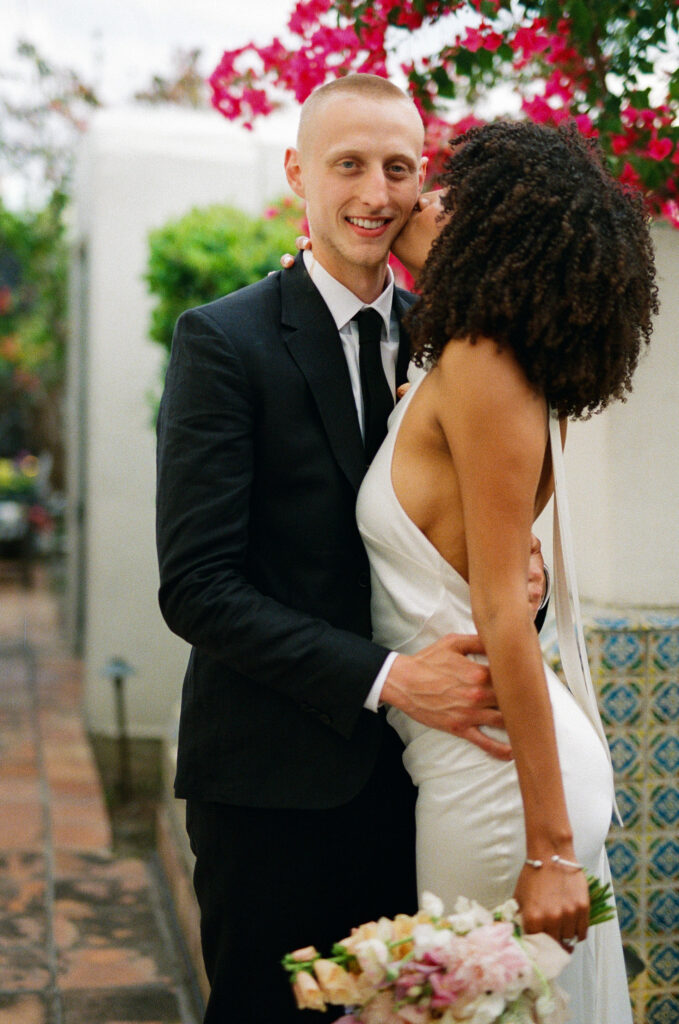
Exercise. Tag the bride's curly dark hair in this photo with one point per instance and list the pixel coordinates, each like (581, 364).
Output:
(545, 253)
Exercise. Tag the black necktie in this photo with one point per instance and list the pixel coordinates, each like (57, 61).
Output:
(378, 400)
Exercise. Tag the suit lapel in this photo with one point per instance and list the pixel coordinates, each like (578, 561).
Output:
(313, 341)
(402, 303)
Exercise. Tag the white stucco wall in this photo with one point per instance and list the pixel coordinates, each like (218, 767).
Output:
(623, 471)
(137, 169)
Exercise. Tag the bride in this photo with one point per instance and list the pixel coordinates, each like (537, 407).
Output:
(537, 294)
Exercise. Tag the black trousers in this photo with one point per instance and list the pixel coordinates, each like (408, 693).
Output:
(270, 881)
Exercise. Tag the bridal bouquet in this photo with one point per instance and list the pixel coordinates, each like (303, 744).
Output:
(474, 965)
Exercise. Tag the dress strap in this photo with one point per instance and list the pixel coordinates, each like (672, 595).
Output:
(572, 647)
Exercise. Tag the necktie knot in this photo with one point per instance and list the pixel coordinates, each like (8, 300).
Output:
(369, 327)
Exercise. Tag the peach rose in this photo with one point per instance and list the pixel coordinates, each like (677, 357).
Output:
(364, 931)
(307, 993)
(338, 986)
(307, 953)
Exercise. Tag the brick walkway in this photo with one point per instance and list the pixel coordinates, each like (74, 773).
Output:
(85, 936)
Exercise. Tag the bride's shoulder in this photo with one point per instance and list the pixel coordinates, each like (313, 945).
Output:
(482, 384)
(464, 362)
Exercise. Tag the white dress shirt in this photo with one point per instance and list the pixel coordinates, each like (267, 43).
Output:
(344, 306)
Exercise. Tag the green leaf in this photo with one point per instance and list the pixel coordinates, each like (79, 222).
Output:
(444, 84)
(583, 22)
(464, 62)
(640, 99)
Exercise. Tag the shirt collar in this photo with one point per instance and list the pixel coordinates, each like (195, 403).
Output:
(341, 302)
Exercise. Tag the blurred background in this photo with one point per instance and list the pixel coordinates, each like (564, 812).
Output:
(124, 198)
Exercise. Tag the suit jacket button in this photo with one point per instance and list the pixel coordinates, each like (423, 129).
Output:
(363, 580)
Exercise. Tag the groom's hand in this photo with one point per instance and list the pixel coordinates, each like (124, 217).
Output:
(443, 689)
(537, 581)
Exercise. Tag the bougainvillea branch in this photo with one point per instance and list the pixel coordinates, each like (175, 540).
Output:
(612, 66)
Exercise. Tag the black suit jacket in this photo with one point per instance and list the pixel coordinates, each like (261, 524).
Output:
(262, 569)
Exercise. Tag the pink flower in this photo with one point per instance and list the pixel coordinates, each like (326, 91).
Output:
(307, 14)
(620, 144)
(477, 39)
(659, 149)
(499, 957)
(531, 39)
(538, 110)
(559, 85)
(447, 988)
(630, 177)
(258, 101)
(273, 55)
(586, 125)
(670, 212)
(465, 123)
(226, 67)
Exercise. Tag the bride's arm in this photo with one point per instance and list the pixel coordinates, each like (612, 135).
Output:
(496, 429)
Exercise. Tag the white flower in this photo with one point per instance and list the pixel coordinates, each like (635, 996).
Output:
(487, 1008)
(468, 916)
(428, 938)
(507, 911)
(544, 1006)
(373, 957)
(431, 904)
(385, 929)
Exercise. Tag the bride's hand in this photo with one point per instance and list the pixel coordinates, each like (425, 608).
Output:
(302, 242)
(412, 245)
(554, 899)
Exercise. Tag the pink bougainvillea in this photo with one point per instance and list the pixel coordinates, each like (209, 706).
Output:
(562, 63)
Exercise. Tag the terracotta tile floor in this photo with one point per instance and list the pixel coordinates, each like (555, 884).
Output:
(85, 936)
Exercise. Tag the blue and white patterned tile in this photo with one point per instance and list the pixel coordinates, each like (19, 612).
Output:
(663, 802)
(606, 621)
(663, 911)
(623, 857)
(663, 859)
(664, 650)
(627, 905)
(662, 1009)
(661, 620)
(623, 650)
(663, 964)
(663, 753)
(665, 700)
(621, 702)
(629, 798)
(626, 756)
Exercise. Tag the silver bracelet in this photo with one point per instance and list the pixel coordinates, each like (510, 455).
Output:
(556, 859)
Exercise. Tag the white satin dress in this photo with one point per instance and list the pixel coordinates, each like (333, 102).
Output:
(469, 816)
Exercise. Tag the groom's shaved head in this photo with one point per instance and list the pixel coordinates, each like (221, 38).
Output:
(362, 86)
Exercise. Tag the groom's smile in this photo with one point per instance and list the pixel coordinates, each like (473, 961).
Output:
(359, 168)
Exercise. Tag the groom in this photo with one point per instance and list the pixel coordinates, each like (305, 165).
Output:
(298, 808)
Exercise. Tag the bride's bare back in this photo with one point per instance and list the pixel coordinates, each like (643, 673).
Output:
(424, 475)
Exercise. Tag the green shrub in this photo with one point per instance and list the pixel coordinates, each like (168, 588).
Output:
(211, 252)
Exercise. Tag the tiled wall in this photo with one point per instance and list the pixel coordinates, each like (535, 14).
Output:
(635, 666)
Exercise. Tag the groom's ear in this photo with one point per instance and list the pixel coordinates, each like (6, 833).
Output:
(422, 173)
(293, 172)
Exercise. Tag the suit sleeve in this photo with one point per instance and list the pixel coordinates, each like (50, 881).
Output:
(205, 472)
